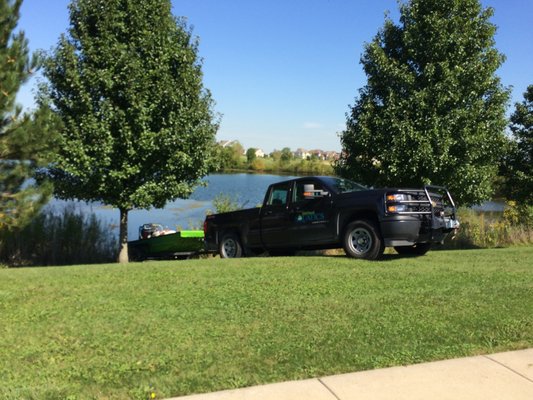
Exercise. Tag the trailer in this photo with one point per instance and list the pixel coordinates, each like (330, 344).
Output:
(170, 246)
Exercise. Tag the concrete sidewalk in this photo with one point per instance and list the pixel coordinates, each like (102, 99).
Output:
(499, 376)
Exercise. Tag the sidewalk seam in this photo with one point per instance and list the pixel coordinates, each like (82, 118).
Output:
(327, 387)
(509, 368)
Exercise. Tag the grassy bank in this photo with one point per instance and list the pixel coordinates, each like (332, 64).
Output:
(172, 328)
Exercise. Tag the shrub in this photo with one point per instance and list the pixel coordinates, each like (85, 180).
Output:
(67, 237)
(225, 203)
(492, 229)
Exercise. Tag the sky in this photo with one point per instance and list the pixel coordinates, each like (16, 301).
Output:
(283, 73)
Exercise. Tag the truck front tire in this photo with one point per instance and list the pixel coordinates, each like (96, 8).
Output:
(230, 246)
(362, 240)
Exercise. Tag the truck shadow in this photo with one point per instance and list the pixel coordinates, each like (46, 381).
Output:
(340, 254)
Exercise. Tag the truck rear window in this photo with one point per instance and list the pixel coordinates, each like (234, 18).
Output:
(340, 185)
(278, 195)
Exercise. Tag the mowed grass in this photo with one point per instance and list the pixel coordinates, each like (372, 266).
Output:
(174, 328)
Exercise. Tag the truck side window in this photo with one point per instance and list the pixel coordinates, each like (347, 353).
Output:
(278, 195)
(299, 192)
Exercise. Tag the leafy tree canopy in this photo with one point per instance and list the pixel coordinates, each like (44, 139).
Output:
(250, 154)
(25, 139)
(433, 109)
(518, 165)
(286, 155)
(229, 156)
(139, 128)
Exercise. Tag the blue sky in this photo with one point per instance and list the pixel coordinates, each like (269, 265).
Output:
(284, 72)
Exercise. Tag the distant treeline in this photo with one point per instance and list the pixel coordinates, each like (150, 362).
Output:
(233, 158)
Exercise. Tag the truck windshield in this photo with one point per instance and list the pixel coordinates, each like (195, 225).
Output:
(340, 185)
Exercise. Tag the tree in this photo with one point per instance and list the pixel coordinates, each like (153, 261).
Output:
(258, 164)
(139, 128)
(433, 109)
(236, 151)
(250, 155)
(518, 165)
(228, 156)
(275, 155)
(286, 155)
(25, 139)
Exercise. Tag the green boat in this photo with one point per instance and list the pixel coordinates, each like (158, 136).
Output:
(177, 245)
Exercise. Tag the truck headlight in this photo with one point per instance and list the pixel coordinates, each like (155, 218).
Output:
(397, 208)
(395, 200)
(397, 197)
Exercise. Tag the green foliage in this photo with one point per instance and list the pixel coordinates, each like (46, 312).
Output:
(25, 139)
(229, 157)
(139, 128)
(518, 165)
(176, 328)
(513, 227)
(226, 203)
(70, 237)
(278, 162)
(250, 155)
(433, 109)
(258, 164)
(286, 155)
(516, 214)
(275, 155)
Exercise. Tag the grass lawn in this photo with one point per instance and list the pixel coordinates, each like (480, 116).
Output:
(174, 328)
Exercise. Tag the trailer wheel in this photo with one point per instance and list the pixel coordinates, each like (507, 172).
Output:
(362, 240)
(418, 249)
(230, 246)
(136, 254)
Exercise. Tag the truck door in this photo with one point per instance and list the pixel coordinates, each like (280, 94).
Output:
(275, 216)
(311, 219)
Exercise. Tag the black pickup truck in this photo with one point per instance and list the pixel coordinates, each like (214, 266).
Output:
(326, 212)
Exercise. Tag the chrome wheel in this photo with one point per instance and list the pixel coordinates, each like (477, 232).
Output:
(230, 247)
(360, 241)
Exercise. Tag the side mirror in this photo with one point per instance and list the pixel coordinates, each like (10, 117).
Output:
(310, 192)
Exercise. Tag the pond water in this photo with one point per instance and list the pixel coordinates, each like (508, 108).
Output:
(246, 190)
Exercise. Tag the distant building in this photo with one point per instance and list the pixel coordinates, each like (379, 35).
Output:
(259, 153)
(320, 154)
(302, 153)
(332, 155)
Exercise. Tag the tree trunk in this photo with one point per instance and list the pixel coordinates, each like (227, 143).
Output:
(123, 237)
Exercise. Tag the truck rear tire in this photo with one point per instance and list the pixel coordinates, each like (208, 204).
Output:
(362, 240)
(418, 249)
(230, 246)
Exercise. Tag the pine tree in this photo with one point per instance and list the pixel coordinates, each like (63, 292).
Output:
(433, 109)
(139, 129)
(25, 139)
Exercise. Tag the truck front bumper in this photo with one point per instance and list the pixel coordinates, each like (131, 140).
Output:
(409, 230)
